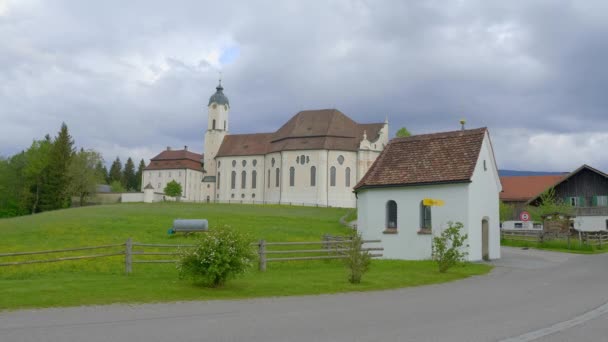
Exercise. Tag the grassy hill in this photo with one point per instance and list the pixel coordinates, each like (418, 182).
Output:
(103, 281)
(149, 223)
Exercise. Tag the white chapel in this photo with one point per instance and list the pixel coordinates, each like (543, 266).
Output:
(315, 158)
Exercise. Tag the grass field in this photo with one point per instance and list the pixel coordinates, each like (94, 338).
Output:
(102, 281)
(556, 245)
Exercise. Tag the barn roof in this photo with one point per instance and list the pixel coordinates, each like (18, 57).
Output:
(176, 159)
(523, 188)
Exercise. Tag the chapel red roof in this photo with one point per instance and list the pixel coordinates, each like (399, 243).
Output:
(447, 157)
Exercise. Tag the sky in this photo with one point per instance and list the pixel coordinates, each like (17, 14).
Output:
(132, 77)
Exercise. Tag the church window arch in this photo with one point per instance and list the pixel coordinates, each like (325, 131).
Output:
(213, 124)
(313, 176)
(224, 125)
(391, 214)
(254, 179)
(332, 176)
(268, 183)
(277, 177)
(243, 180)
(347, 176)
(233, 180)
(292, 176)
(219, 177)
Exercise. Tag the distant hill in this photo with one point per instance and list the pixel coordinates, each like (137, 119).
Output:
(503, 173)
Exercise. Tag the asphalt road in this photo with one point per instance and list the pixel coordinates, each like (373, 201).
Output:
(530, 296)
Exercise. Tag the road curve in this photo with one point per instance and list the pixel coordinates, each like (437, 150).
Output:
(530, 295)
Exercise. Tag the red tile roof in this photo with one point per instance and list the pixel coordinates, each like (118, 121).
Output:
(327, 129)
(176, 159)
(448, 157)
(524, 188)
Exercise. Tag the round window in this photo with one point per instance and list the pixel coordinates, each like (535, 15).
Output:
(272, 162)
(214, 106)
(244, 163)
(302, 159)
(233, 163)
(225, 107)
(255, 162)
(341, 159)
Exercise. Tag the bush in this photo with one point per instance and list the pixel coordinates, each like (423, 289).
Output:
(357, 259)
(446, 247)
(220, 254)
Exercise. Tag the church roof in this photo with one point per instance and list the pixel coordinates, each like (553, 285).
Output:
(327, 129)
(448, 157)
(176, 159)
(219, 96)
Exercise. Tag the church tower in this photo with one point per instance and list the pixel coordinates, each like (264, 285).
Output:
(217, 127)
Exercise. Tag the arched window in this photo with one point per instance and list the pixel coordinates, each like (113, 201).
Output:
(218, 180)
(233, 180)
(277, 178)
(292, 176)
(224, 125)
(347, 175)
(391, 214)
(213, 124)
(425, 216)
(254, 179)
(243, 179)
(332, 176)
(268, 183)
(313, 176)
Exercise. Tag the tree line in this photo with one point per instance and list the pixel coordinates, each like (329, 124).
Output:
(48, 174)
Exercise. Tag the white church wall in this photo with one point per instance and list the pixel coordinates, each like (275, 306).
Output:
(242, 191)
(302, 191)
(341, 195)
(272, 192)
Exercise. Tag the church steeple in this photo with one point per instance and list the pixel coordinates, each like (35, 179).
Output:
(217, 127)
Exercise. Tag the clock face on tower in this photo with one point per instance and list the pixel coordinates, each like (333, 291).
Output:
(214, 106)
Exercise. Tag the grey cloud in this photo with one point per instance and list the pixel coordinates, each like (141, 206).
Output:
(131, 78)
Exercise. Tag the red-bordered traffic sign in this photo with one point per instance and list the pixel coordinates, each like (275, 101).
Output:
(524, 216)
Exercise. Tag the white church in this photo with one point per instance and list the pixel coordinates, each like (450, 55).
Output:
(315, 158)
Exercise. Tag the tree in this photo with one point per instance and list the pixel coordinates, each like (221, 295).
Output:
(13, 186)
(139, 174)
(220, 254)
(116, 186)
(55, 194)
(402, 133)
(115, 174)
(446, 247)
(357, 259)
(506, 211)
(548, 203)
(103, 171)
(173, 189)
(36, 171)
(129, 178)
(84, 174)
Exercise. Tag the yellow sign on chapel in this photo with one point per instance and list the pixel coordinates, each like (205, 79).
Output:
(432, 202)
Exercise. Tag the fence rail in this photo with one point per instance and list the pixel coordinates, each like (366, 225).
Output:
(599, 238)
(330, 248)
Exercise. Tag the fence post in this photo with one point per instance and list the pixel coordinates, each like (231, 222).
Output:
(600, 235)
(262, 252)
(129, 256)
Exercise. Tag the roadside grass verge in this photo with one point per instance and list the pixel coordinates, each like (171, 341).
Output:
(556, 245)
(40, 287)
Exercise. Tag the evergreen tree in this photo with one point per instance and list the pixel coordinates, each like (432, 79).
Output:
(129, 178)
(54, 194)
(103, 171)
(115, 174)
(139, 175)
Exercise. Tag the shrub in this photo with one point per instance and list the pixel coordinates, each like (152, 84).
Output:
(220, 254)
(357, 259)
(446, 250)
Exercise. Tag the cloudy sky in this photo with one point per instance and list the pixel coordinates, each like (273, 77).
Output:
(131, 77)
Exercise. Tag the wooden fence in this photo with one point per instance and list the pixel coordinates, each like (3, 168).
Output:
(599, 238)
(329, 248)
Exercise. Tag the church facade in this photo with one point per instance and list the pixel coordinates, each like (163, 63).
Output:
(315, 158)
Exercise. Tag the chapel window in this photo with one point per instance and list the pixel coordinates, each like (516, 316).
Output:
(391, 214)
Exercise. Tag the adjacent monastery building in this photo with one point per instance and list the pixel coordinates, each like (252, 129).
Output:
(315, 158)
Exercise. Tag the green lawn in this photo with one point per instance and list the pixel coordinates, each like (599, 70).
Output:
(102, 281)
(557, 246)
